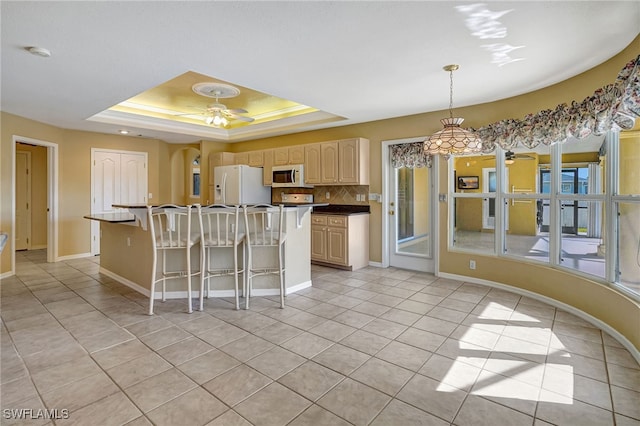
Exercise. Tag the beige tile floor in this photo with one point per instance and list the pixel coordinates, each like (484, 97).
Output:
(376, 346)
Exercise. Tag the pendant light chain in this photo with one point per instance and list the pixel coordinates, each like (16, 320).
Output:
(451, 93)
(452, 139)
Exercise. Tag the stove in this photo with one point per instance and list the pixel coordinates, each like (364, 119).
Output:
(297, 198)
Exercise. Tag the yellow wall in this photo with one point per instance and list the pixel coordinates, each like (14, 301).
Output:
(74, 177)
(595, 299)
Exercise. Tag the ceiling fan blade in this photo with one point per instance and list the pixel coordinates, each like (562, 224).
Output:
(236, 111)
(241, 118)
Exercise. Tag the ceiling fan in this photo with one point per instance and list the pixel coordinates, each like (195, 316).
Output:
(218, 114)
(510, 157)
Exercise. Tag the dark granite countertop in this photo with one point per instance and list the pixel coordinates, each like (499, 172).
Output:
(342, 209)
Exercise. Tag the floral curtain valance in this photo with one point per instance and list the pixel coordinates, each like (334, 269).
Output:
(410, 155)
(615, 106)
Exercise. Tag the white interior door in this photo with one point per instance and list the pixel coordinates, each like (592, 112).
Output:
(23, 200)
(133, 179)
(118, 177)
(489, 185)
(410, 218)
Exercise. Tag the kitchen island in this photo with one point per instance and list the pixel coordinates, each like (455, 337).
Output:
(126, 255)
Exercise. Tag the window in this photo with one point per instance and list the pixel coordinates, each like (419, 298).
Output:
(552, 204)
(195, 182)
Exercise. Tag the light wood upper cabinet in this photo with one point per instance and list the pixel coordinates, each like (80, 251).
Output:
(280, 156)
(242, 158)
(353, 161)
(344, 162)
(329, 162)
(219, 159)
(256, 158)
(267, 176)
(296, 154)
(312, 164)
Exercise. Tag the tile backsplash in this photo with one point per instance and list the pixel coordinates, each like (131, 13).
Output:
(339, 194)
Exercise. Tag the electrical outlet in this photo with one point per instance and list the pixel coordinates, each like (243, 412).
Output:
(327, 195)
(472, 264)
(128, 241)
(150, 195)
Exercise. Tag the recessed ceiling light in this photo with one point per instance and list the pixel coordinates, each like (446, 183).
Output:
(123, 132)
(39, 51)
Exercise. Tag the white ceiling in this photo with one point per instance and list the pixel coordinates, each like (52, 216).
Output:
(361, 60)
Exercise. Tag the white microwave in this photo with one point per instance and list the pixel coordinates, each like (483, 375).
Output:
(291, 175)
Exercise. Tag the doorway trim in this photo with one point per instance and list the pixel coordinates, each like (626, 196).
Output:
(52, 197)
(384, 200)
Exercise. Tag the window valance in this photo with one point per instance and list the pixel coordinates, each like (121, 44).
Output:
(410, 155)
(614, 106)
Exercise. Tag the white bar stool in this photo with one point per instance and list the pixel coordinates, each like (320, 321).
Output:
(264, 227)
(219, 231)
(170, 228)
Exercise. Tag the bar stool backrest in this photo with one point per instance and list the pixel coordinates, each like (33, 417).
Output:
(219, 225)
(264, 225)
(170, 226)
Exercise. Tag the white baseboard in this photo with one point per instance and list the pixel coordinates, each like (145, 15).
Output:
(376, 264)
(276, 292)
(7, 274)
(553, 302)
(195, 291)
(38, 247)
(73, 256)
(122, 280)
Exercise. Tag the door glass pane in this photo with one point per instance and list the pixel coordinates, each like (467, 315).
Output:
(629, 246)
(412, 211)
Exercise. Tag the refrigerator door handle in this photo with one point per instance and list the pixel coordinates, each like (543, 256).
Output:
(224, 188)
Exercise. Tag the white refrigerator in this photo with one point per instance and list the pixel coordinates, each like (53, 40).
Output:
(238, 185)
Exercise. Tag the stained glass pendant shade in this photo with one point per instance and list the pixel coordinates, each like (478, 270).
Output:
(452, 139)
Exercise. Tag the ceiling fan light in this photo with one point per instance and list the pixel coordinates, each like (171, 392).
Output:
(509, 161)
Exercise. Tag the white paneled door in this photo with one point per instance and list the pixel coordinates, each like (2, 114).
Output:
(23, 200)
(117, 177)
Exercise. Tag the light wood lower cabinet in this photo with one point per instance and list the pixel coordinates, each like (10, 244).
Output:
(339, 240)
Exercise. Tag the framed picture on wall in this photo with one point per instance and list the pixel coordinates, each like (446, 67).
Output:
(467, 182)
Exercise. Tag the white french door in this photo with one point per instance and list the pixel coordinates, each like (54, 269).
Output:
(117, 177)
(410, 218)
(489, 204)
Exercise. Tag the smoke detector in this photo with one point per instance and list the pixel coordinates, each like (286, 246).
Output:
(39, 51)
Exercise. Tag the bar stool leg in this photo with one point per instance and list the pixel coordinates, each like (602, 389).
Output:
(280, 275)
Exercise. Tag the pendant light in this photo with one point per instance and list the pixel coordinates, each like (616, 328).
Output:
(453, 139)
